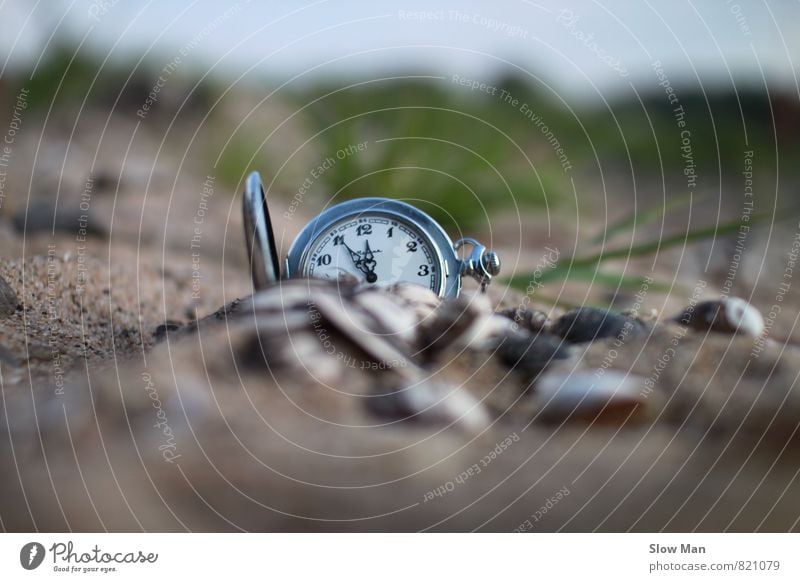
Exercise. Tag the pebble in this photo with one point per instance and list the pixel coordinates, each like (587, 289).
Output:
(587, 324)
(585, 395)
(163, 329)
(44, 216)
(529, 319)
(7, 357)
(8, 299)
(726, 315)
(531, 354)
(37, 351)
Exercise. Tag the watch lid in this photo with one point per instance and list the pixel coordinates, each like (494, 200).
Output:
(259, 236)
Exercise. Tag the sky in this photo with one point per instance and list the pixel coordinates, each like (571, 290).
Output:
(579, 49)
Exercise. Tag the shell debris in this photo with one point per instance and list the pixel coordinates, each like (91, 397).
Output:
(320, 328)
(581, 394)
(725, 315)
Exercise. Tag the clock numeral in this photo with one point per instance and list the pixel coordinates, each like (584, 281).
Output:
(390, 232)
(423, 270)
(412, 247)
(323, 260)
(364, 229)
(338, 240)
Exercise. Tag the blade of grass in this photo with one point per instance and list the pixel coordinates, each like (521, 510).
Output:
(564, 269)
(606, 278)
(634, 219)
(650, 247)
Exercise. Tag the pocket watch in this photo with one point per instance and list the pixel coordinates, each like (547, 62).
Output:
(377, 241)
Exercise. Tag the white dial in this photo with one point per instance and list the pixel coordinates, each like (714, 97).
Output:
(377, 250)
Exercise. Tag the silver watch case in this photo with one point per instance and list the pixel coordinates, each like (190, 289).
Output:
(445, 252)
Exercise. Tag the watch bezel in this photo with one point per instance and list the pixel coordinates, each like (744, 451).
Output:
(440, 242)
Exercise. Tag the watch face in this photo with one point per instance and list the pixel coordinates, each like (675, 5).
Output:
(376, 249)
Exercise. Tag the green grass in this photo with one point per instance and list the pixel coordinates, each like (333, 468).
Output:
(592, 266)
(468, 151)
(462, 156)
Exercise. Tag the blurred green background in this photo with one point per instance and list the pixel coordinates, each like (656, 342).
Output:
(440, 141)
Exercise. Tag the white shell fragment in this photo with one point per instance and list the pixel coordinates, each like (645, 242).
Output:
(434, 402)
(586, 395)
(290, 294)
(398, 322)
(375, 346)
(726, 315)
(440, 402)
(422, 301)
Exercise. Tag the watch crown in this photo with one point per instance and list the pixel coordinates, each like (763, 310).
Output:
(480, 264)
(491, 262)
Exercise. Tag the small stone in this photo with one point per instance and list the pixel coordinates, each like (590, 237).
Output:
(530, 319)
(531, 354)
(166, 327)
(37, 351)
(44, 216)
(588, 396)
(486, 333)
(105, 182)
(7, 357)
(587, 324)
(8, 299)
(726, 315)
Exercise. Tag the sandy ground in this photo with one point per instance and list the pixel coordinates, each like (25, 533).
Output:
(111, 422)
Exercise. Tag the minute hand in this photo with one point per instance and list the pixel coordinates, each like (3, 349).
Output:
(368, 264)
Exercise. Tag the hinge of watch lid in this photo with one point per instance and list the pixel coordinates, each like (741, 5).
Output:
(481, 264)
